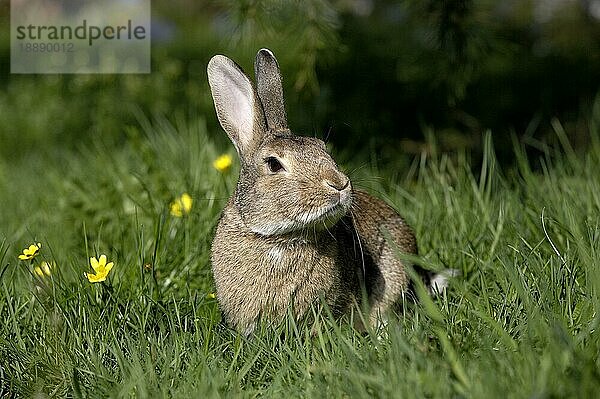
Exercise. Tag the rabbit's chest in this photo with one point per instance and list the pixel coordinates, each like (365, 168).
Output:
(299, 269)
(263, 277)
(295, 273)
(278, 276)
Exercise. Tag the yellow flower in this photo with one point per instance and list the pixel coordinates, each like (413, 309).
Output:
(211, 295)
(101, 268)
(223, 163)
(44, 269)
(182, 205)
(31, 252)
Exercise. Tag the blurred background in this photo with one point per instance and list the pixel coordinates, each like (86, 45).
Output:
(373, 76)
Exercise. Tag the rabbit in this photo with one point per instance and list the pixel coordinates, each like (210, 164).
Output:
(295, 232)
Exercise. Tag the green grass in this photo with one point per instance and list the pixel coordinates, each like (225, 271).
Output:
(521, 320)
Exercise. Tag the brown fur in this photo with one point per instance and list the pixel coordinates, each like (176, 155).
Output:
(294, 235)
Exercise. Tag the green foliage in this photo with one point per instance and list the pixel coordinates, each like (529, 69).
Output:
(372, 72)
(85, 173)
(44, 111)
(519, 321)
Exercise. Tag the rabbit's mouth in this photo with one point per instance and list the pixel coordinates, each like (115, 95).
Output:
(317, 218)
(325, 217)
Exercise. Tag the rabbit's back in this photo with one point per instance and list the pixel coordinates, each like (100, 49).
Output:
(383, 235)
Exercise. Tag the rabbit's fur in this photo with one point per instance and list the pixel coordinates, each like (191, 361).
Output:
(295, 232)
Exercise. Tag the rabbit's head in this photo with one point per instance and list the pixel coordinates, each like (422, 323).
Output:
(287, 183)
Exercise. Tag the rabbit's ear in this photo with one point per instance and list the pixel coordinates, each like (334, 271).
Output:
(238, 109)
(270, 90)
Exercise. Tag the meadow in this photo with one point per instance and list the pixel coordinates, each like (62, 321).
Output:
(521, 320)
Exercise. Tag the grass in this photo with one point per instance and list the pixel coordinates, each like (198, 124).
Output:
(520, 321)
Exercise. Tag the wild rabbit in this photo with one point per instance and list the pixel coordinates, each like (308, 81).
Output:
(295, 232)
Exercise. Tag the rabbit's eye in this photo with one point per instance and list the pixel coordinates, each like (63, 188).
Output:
(274, 165)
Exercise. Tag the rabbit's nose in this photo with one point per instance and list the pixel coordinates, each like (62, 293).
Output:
(339, 185)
